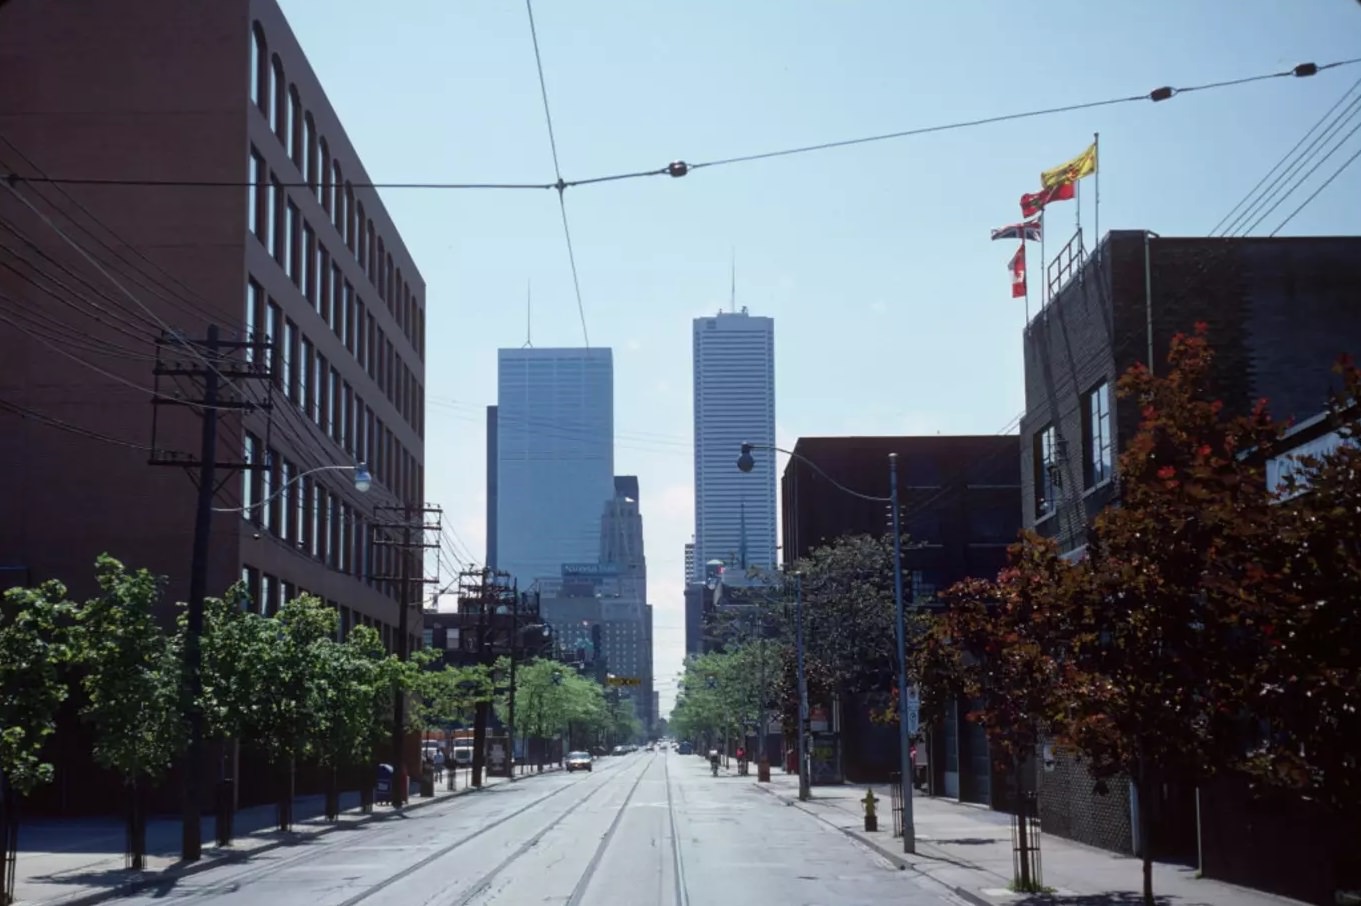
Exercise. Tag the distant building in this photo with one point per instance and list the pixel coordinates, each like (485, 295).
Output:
(621, 544)
(554, 457)
(734, 387)
(960, 500)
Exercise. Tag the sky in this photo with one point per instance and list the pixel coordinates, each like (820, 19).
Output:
(893, 312)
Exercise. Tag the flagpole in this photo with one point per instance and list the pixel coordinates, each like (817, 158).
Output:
(1027, 283)
(1096, 184)
(1044, 282)
(1077, 206)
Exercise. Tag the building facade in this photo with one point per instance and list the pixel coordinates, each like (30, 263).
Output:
(554, 458)
(621, 545)
(304, 261)
(1279, 312)
(691, 574)
(960, 508)
(734, 386)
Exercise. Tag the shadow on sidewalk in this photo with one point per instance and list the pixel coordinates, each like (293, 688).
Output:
(1114, 898)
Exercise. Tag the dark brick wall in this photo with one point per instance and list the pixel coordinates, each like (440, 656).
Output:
(1069, 807)
(1279, 312)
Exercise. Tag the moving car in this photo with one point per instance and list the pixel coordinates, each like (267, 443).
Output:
(578, 761)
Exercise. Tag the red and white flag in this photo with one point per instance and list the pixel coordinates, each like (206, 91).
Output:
(1017, 267)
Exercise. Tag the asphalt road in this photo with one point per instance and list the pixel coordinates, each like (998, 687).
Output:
(640, 830)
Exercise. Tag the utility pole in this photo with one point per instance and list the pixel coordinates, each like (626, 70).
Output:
(410, 579)
(479, 590)
(201, 360)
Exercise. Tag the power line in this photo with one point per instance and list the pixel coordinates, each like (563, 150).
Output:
(560, 185)
(1345, 164)
(51, 421)
(680, 168)
(1229, 221)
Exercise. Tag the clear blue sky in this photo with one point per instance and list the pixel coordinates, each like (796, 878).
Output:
(892, 307)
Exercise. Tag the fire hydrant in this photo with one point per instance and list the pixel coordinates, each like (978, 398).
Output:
(871, 818)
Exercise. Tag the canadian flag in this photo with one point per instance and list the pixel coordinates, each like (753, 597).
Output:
(1017, 266)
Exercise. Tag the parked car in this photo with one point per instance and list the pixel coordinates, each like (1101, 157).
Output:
(578, 761)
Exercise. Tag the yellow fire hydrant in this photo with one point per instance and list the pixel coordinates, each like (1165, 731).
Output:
(871, 818)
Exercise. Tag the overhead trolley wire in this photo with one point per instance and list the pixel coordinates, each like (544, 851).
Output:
(680, 168)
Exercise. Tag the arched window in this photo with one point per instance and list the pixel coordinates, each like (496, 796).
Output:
(280, 98)
(259, 72)
(363, 236)
(309, 151)
(349, 217)
(323, 165)
(293, 137)
(338, 180)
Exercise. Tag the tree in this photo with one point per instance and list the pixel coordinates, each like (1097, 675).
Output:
(351, 678)
(285, 652)
(998, 646)
(1165, 648)
(849, 615)
(34, 646)
(130, 675)
(1312, 702)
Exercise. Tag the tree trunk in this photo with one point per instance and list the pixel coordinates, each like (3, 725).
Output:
(1024, 880)
(9, 840)
(1144, 789)
(285, 782)
(333, 794)
(136, 826)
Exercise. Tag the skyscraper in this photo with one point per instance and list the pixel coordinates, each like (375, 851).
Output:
(734, 374)
(554, 458)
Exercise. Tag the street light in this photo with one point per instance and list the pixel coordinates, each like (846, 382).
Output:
(191, 846)
(746, 462)
(363, 480)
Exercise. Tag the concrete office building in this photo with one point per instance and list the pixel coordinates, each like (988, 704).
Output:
(734, 385)
(554, 458)
(307, 257)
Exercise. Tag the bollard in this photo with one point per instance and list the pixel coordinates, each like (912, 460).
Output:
(871, 818)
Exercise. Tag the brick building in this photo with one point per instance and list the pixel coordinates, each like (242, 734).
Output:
(1279, 313)
(961, 508)
(173, 166)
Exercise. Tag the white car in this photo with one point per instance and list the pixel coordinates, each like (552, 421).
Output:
(578, 761)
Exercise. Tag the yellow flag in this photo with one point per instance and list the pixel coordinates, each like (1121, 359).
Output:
(1082, 165)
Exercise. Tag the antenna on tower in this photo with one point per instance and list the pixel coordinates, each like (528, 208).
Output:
(732, 291)
(529, 315)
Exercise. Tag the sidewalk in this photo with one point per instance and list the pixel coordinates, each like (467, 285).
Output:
(73, 862)
(967, 848)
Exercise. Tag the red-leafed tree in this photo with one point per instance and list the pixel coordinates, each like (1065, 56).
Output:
(1167, 638)
(998, 646)
(1312, 702)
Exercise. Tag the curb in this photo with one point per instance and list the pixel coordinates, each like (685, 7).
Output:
(894, 857)
(171, 875)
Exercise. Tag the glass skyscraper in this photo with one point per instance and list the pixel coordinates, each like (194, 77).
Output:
(554, 458)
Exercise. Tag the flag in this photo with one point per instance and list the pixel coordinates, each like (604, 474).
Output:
(1033, 203)
(1017, 267)
(1030, 230)
(1082, 165)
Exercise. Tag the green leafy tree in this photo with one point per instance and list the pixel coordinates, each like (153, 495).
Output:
(350, 679)
(131, 678)
(285, 652)
(34, 646)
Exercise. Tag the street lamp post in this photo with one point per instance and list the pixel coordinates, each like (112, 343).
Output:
(745, 462)
(191, 843)
(804, 780)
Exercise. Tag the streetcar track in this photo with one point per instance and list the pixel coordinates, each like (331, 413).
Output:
(584, 881)
(678, 871)
(410, 870)
(483, 883)
(339, 838)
